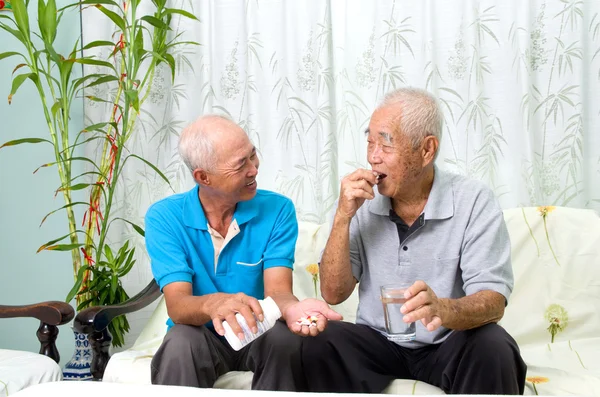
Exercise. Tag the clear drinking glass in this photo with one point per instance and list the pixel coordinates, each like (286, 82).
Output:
(392, 297)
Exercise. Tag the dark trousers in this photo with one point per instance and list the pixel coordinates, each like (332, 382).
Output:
(356, 358)
(195, 356)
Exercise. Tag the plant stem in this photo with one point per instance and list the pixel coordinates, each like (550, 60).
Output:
(63, 169)
(550, 245)
(531, 232)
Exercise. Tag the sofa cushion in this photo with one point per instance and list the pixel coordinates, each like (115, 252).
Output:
(21, 369)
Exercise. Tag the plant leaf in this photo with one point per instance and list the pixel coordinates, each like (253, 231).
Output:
(78, 186)
(24, 140)
(77, 284)
(149, 164)
(63, 247)
(48, 21)
(21, 18)
(18, 35)
(136, 227)
(116, 18)
(98, 126)
(9, 54)
(102, 80)
(17, 81)
(98, 43)
(171, 62)
(90, 2)
(181, 12)
(157, 23)
(133, 98)
(96, 62)
(61, 208)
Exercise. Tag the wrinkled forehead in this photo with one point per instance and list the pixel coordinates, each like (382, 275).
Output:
(384, 125)
(233, 150)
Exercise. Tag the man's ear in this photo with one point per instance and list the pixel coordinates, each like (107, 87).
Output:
(201, 177)
(429, 149)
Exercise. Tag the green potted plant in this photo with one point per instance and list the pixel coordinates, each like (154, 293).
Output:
(139, 45)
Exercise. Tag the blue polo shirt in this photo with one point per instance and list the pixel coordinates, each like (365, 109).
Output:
(180, 246)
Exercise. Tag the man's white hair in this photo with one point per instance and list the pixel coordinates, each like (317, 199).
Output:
(420, 116)
(196, 146)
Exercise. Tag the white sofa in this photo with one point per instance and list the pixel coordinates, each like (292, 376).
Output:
(556, 262)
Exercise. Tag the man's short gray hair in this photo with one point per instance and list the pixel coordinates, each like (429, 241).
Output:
(196, 146)
(421, 114)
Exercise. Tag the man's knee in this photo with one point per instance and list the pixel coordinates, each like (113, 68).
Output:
(324, 345)
(492, 344)
(279, 340)
(184, 340)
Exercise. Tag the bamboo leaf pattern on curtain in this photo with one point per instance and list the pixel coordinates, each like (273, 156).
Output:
(518, 82)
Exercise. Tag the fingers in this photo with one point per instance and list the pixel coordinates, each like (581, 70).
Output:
(331, 314)
(227, 308)
(422, 304)
(249, 317)
(414, 289)
(235, 326)
(218, 325)
(420, 299)
(363, 174)
(432, 323)
(254, 306)
(314, 331)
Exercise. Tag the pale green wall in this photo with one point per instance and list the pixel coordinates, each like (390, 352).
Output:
(27, 277)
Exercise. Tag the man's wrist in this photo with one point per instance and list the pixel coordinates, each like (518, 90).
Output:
(447, 310)
(341, 219)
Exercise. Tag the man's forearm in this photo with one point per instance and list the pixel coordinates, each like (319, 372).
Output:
(337, 281)
(473, 311)
(191, 310)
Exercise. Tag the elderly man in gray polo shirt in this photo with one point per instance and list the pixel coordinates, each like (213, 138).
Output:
(407, 220)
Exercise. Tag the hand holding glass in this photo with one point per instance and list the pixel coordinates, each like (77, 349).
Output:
(392, 297)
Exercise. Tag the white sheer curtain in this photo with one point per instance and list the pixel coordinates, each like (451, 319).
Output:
(518, 82)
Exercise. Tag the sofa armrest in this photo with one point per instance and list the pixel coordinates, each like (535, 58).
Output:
(51, 314)
(94, 321)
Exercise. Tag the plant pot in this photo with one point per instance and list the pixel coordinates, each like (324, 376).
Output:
(79, 367)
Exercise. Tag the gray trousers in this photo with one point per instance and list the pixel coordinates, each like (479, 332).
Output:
(195, 356)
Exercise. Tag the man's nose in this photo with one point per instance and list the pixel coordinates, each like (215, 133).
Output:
(254, 168)
(375, 155)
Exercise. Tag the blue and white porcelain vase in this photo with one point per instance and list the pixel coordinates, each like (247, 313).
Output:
(79, 367)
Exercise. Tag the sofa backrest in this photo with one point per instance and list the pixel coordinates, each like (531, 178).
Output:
(556, 264)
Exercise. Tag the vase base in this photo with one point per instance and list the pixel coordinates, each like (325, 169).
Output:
(72, 374)
(79, 367)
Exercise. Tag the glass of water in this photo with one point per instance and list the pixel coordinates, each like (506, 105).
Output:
(392, 297)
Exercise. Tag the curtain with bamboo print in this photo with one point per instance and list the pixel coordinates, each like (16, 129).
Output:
(518, 82)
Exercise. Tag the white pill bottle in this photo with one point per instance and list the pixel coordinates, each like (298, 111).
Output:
(270, 312)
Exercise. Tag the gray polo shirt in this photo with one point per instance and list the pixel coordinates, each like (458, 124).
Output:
(460, 247)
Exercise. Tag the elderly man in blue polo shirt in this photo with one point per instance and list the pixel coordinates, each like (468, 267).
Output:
(214, 252)
(405, 220)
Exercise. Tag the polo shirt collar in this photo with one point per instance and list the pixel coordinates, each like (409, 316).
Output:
(193, 213)
(440, 204)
